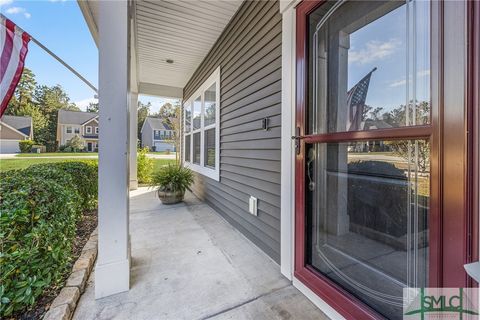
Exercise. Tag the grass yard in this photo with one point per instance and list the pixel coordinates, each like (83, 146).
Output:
(22, 163)
(56, 154)
(161, 152)
(158, 163)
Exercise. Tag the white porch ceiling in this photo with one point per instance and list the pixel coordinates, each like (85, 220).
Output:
(180, 30)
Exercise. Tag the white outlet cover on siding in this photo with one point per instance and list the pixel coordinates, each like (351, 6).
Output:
(252, 205)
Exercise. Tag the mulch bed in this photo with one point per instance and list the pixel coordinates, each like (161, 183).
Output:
(84, 228)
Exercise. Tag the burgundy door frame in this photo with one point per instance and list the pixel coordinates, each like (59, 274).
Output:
(446, 261)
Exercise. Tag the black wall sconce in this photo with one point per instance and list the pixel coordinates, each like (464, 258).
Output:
(265, 124)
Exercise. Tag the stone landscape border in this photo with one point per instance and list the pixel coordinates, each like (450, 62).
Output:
(63, 307)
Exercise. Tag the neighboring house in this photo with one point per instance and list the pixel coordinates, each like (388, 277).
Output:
(78, 123)
(270, 91)
(157, 134)
(14, 129)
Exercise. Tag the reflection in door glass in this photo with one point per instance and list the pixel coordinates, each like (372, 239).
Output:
(367, 218)
(369, 60)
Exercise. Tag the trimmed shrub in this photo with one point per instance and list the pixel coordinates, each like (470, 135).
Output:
(144, 166)
(84, 175)
(26, 146)
(39, 210)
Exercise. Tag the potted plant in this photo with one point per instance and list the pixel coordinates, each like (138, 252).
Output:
(172, 181)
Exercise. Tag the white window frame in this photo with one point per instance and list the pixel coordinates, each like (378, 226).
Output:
(88, 130)
(213, 173)
(96, 130)
(76, 129)
(68, 128)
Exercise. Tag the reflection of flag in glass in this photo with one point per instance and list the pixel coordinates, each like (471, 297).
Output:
(13, 49)
(356, 102)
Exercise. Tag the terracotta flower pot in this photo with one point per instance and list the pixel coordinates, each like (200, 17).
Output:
(170, 197)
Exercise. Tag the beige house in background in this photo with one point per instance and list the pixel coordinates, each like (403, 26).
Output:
(13, 129)
(83, 124)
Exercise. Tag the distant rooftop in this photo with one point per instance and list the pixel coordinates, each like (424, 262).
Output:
(20, 123)
(158, 123)
(75, 117)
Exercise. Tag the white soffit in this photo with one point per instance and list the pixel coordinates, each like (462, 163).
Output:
(181, 30)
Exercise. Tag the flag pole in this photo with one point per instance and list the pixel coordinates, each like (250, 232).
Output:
(66, 65)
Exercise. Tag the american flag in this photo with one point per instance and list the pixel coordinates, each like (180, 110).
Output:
(356, 97)
(13, 50)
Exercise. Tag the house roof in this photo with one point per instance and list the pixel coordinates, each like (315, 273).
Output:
(75, 117)
(20, 123)
(370, 124)
(157, 123)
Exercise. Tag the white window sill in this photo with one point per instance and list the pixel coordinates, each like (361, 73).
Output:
(207, 172)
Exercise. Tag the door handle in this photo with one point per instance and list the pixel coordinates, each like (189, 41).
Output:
(297, 137)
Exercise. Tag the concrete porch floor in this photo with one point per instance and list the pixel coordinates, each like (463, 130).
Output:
(189, 263)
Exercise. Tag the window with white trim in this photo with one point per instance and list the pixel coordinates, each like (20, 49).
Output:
(201, 148)
(88, 129)
(69, 129)
(96, 130)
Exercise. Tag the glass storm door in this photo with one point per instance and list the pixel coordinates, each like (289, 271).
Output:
(367, 217)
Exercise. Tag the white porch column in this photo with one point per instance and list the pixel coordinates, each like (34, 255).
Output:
(133, 140)
(112, 273)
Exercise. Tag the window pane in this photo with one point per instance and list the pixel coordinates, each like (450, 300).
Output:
(361, 75)
(210, 148)
(196, 148)
(210, 99)
(187, 148)
(367, 218)
(188, 118)
(197, 113)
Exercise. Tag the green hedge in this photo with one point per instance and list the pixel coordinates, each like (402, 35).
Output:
(26, 146)
(144, 166)
(39, 209)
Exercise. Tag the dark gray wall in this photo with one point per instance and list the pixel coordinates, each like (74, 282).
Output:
(249, 55)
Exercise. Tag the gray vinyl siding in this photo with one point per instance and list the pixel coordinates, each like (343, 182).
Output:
(249, 55)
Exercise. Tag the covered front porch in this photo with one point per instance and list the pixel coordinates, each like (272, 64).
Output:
(185, 261)
(189, 263)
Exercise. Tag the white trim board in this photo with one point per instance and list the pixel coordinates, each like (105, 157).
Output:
(213, 173)
(287, 149)
(317, 301)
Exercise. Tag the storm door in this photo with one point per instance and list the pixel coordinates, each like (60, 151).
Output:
(367, 164)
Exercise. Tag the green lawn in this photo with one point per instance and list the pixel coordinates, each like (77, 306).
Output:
(22, 163)
(161, 152)
(158, 163)
(76, 154)
(56, 154)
